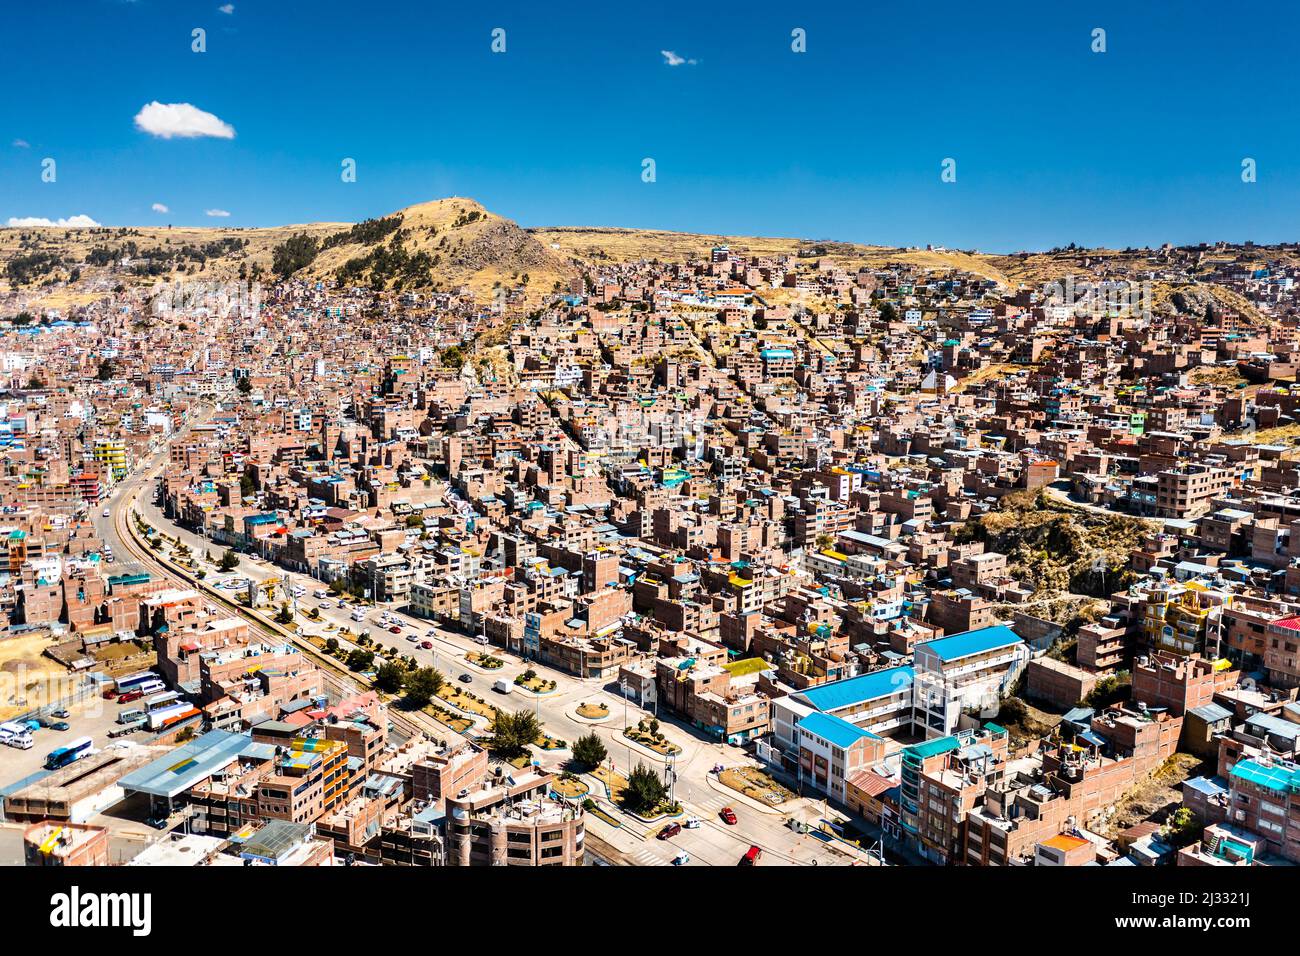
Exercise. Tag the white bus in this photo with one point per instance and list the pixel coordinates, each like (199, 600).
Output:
(135, 681)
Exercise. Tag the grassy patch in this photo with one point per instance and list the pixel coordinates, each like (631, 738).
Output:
(756, 784)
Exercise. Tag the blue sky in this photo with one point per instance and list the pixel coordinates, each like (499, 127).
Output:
(1053, 143)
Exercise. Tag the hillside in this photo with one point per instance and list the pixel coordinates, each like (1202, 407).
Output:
(442, 244)
(446, 243)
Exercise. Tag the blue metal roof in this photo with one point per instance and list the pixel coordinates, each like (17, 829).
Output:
(839, 732)
(185, 766)
(854, 690)
(968, 643)
(1279, 777)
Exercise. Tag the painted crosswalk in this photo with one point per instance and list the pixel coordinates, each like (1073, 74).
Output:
(644, 857)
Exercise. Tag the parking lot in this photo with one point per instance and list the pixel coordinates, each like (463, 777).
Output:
(92, 717)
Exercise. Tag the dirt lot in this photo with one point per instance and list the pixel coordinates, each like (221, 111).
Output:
(1154, 799)
(28, 679)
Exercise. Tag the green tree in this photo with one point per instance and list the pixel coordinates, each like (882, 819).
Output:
(644, 791)
(359, 660)
(1182, 828)
(390, 677)
(244, 385)
(285, 615)
(296, 252)
(422, 686)
(589, 750)
(229, 561)
(512, 733)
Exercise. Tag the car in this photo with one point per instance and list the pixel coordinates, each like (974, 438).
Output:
(60, 713)
(426, 645)
(692, 823)
(681, 859)
(129, 696)
(432, 632)
(412, 638)
(728, 816)
(670, 831)
(464, 678)
(159, 822)
(107, 513)
(110, 693)
(395, 629)
(59, 725)
(751, 857)
(325, 605)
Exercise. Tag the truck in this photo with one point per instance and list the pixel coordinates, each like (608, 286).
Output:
(358, 614)
(502, 686)
(128, 728)
(167, 716)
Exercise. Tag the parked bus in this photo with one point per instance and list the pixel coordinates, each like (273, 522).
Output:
(159, 701)
(81, 747)
(167, 716)
(130, 716)
(134, 681)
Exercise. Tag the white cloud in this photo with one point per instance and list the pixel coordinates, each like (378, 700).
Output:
(672, 59)
(159, 207)
(227, 8)
(168, 120)
(22, 144)
(217, 213)
(72, 222)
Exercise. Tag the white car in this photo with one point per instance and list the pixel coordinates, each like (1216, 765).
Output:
(692, 823)
(681, 859)
(107, 513)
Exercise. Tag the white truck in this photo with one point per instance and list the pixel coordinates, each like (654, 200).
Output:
(502, 686)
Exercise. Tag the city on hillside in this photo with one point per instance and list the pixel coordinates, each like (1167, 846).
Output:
(814, 556)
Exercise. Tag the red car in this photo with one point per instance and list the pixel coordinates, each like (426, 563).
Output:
(110, 693)
(728, 816)
(130, 696)
(426, 645)
(752, 857)
(670, 831)
(395, 629)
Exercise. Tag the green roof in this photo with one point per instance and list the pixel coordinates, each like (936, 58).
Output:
(934, 747)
